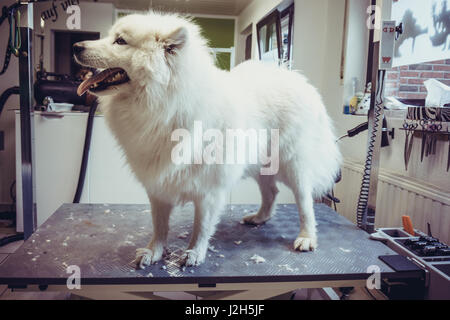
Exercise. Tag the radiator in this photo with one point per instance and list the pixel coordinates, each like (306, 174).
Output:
(397, 195)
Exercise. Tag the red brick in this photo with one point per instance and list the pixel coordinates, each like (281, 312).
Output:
(391, 84)
(410, 74)
(447, 75)
(404, 80)
(415, 81)
(409, 89)
(422, 66)
(404, 68)
(447, 82)
(441, 68)
(438, 62)
(407, 95)
(423, 89)
(393, 75)
(435, 75)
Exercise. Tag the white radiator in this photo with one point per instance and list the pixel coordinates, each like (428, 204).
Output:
(397, 195)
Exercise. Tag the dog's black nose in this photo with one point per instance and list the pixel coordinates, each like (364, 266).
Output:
(78, 48)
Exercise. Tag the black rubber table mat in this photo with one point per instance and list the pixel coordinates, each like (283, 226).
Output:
(102, 239)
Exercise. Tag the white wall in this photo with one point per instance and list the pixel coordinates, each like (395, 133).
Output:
(334, 91)
(7, 80)
(318, 37)
(357, 46)
(95, 17)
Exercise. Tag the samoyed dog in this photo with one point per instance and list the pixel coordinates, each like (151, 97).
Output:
(156, 76)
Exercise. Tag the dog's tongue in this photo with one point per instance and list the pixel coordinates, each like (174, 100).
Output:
(99, 77)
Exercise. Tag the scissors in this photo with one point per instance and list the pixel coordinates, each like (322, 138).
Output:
(434, 128)
(448, 157)
(409, 130)
(423, 124)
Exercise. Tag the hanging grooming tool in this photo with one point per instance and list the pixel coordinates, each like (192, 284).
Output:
(436, 128)
(386, 133)
(355, 131)
(409, 131)
(423, 124)
(429, 141)
(14, 33)
(428, 148)
(448, 156)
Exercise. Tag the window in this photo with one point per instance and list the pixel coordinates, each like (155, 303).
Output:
(287, 23)
(275, 36)
(248, 47)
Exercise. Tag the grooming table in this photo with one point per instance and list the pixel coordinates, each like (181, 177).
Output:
(102, 239)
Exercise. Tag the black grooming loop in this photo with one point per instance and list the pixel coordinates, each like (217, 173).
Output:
(11, 13)
(430, 131)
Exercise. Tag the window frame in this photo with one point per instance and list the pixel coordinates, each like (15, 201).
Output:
(273, 17)
(289, 11)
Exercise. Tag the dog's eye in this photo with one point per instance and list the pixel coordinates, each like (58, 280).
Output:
(120, 41)
(170, 49)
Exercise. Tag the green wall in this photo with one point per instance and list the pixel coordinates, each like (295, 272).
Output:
(219, 33)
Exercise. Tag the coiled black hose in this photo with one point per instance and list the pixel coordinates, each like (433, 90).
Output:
(87, 147)
(5, 96)
(6, 14)
(363, 200)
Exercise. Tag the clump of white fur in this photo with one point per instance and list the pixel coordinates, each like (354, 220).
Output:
(169, 91)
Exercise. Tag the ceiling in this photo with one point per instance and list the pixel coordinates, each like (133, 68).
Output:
(216, 7)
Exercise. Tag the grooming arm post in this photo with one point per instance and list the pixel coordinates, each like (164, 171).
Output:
(383, 54)
(26, 118)
(374, 144)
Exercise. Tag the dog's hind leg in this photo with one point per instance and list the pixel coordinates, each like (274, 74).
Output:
(207, 215)
(155, 249)
(269, 191)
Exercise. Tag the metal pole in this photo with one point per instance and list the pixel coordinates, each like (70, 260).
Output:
(26, 119)
(374, 142)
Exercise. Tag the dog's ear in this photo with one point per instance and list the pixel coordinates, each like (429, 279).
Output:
(176, 40)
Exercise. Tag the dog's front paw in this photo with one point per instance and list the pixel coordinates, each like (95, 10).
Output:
(254, 219)
(193, 258)
(146, 257)
(305, 243)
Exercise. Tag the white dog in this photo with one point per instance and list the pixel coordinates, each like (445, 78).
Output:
(159, 76)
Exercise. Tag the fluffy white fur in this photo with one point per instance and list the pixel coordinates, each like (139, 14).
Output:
(174, 82)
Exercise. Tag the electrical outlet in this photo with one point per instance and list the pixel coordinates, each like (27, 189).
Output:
(2, 140)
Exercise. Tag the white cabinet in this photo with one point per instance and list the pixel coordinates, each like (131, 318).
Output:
(58, 148)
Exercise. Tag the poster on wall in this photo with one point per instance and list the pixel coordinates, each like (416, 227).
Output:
(426, 25)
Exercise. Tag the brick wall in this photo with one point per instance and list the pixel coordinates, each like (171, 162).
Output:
(406, 82)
